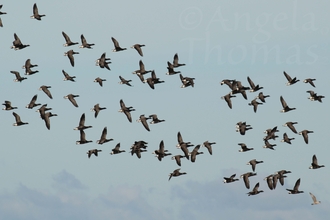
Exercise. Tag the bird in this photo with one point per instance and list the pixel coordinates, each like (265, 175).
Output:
(271, 133)
(286, 139)
(314, 97)
(18, 120)
(17, 44)
(295, 189)
(253, 87)
(253, 163)
(84, 43)
(144, 122)
(170, 69)
(137, 47)
(180, 141)
(315, 201)
(161, 152)
(47, 120)
(194, 153)
(242, 127)
(153, 80)
(97, 109)
(68, 40)
(290, 80)
(227, 98)
(305, 133)
(269, 180)
(184, 147)
(229, 82)
(68, 77)
(155, 119)
(290, 125)
(208, 145)
(70, 54)
(262, 97)
(36, 14)
(142, 70)
(42, 110)
(230, 179)
(18, 76)
(72, 97)
(314, 164)
(93, 151)
(116, 150)
(286, 108)
(33, 103)
(99, 81)
(244, 148)
(255, 104)
(176, 61)
(82, 125)
(45, 89)
(245, 177)
(103, 62)
(187, 81)
(103, 138)
(255, 190)
(1, 12)
(8, 106)
(116, 44)
(177, 158)
(269, 145)
(83, 138)
(126, 110)
(27, 66)
(124, 81)
(310, 81)
(176, 173)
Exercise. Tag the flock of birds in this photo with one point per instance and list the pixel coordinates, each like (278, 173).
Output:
(138, 147)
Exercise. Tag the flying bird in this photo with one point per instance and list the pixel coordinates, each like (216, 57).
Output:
(27, 66)
(116, 150)
(93, 151)
(126, 110)
(142, 70)
(124, 81)
(208, 146)
(82, 125)
(230, 179)
(244, 148)
(99, 81)
(68, 40)
(36, 14)
(45, 89)
(18, 76)
(96, 109)
(245, 177)
(290, 125)
(286, 108)
(17, 44)
(295, 189)
(138, 48)
(227, 98)
(255, 190)
(103, 138)
(47, 120)
(144, 122)
(72, 97)
(253, 163)
(176, 61)
(310, 81)
(177, 158)
(84, 43)
(194, 153)
(8, 106)
(103, 62)
(305, 133)
(253, 87)
(116, 44)
(314, 164)
(170, 69)
(262, 97)
(70, 54)
(83, 138)
(176, 173)
(315, 201)
(33, 103)
(18, 120)
(68, 77)
(290, 80)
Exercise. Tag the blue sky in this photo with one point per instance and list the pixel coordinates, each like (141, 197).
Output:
(46, 175)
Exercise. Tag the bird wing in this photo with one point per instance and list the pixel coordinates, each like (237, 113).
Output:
(283, 102)
(287, 76)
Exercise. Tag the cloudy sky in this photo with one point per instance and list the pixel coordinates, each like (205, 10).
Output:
(45, 175)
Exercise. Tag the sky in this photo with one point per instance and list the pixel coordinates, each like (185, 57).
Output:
(45, 175)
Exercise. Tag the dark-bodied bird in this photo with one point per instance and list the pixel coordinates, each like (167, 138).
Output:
(175, 174)
(161, 152)
(286, 139)
(93, 151)
(269, 145)
(227, 98)
(286, 108)
(126, 110)
(269, 180)
(242, 127)
(68, 77)
(315, 201)
(72, 97)
(170, 69)
(96, 109)
(187, 81)
(255, 190)
(103, 138)
(271, 133)
(290, 80)
(253, 163)
(255, 104)
(18, 120)
(99, 81)
(47, 120)
(27, 66)
(228, 82)
(314, 97)
(176, 61)
(180, 141)
(36, 14)
(253, 88)
(138, 48)
(310, 81)
(70, 54)
(124, 81)
(33, 103)
(230, 179)
(144, 122)
(42, 110)
(116, 150)
(45, 89)
(153, 80)
(8, 106)
(1, 25)
(142, 70)
(314, 164)
(1, 12)
(244, 148)
(68, 40)
(83, 138)
(103, 62)
(17, 44)
(295, 189)
(84, 43)
(155, 119)
(262, 97)
(245, 177)
(290, 125)
(82, 125)
(208, 146)
(194, 153)
(18, 76)
(305, 133)
(116, 44)
(177, 158)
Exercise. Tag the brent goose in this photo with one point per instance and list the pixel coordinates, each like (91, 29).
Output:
(282, 172)
(83, 138)
(47, 120)
(315, 201)
(170, 69)
(187, 81)
(126, 110)
(144, 122)
(314, 164)
(230, 179)
(255, 190)
(269, 145)
(253, 87)
(137, 47)
(33, 103)
(116, 150)
(295, 188)
(2, 13)
(81, 125)
(184, 147)
(99, 81)
(70, 54)
(42, 110)
(208, 145)
(155, 119)
(244, 148)
(245, 177)
(176, 173)
(8, 106)
(45, 90)
(310, 81)
(153, 80)
(253, 163)
(286, 139)
(116, 44)
(180, 141)
(17, 44)
(18, 120)
(271, 133)
(290, 125)
(96, 109)
(290, 80)
(314, 97)
(68, 77)
(176, 61)
(124, 81)
(262, 97)
(286, 108)
(93, 151)
(84, 43)
(27, 66)
(103, 138)
(72, 97)
(255, 104)
(228, 82)
(68, 41)
(242, 127)
(194, 153)
(18, 76)
(36, 14)
(136, 149)
(305, 133)
(161, 152)
(142, 70)
(177, 158)
(227, 98)
(103, 62)
(269, 180)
